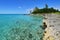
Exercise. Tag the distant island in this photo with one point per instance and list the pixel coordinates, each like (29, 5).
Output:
(46, 9)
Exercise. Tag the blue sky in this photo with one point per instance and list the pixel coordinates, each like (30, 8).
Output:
(24, 6)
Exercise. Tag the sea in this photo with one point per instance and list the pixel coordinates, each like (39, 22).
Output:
(21, 27)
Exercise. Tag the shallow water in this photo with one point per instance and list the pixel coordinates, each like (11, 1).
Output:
(20, 27)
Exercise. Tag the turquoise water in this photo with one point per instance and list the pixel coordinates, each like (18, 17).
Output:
(20, 27)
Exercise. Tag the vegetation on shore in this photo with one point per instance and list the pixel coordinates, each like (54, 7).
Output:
(46, 9)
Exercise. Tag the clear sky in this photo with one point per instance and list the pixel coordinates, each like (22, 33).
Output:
(23, 6)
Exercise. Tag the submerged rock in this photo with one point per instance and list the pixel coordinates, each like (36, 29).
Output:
(30, 35)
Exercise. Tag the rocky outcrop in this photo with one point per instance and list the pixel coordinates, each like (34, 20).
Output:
(52, 32)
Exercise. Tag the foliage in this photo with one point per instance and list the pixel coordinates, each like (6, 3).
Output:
(44, 10)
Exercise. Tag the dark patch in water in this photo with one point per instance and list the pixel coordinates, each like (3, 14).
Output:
(34, 39)
(17, 22)
(15, 30)
(30, 35)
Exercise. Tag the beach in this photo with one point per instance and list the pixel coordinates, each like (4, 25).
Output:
(52, 32)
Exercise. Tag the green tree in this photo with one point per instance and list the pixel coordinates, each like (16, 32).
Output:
(36, 10)
(44, 10)
(46, 6)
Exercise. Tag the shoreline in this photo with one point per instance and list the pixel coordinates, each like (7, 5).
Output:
(47, 33)
(51, 32)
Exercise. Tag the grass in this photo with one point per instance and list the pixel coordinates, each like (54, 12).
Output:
(56, 13)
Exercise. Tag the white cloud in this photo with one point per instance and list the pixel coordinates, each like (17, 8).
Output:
(28, 10)
(57, 8)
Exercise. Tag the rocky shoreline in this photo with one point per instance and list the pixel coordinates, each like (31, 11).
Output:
(52, 32)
